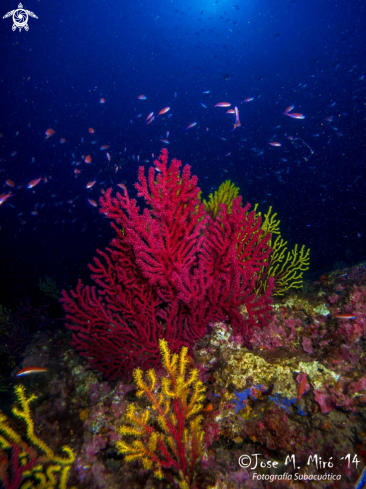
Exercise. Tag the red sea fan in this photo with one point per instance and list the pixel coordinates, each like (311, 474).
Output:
(169, 272)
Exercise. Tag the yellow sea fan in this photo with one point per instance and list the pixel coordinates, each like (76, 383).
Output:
(225, 194)
(178, 398)
(286, 267)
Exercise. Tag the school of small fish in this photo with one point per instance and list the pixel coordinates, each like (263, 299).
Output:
(156, 115)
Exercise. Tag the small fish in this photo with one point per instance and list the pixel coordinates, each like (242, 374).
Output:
(302, 385)
(122, 186)
(10, 183)
(102, 101)
(248, 99)
(49, 133)
(164, 111)
(223, 104)
(296, 115)
(34, 182)
(341, 276)
(230, 111)
(165, 141)
(30, 370)
(288, 109)
(149, 116)
(4, 197)
(206, 91)
(92, 202)
(90, 184)
(237, 122)
(203, 105)
(91, 130)
(142, 97)
(108, 156)
(275, 143)
(344, 316)
(88, 159)
(105, 146)
(192, 124)
(62, 140)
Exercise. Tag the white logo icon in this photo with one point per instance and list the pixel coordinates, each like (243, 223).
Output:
(20, 17)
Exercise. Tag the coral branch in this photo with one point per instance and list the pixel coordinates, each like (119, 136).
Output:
(178, 445)
(171, 270)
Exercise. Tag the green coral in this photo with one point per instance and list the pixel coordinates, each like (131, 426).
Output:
(50, 288)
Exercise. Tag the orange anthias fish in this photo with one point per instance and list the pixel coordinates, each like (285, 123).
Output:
(295, 115)
(34, 182)
(192, 124)
(345, 316)
(4, 197)
(90, 184)
(302, 385)
(49, 133)
(274, 143)
(288, 109)
(223, 104)
(91, 130)
(10, 183)
(141, 97)
(164, 111)
(88, 159)
(30, 370)
(102, 101)
(237, 122)
(92, 202)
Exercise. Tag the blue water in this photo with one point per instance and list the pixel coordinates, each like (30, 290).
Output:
(307, 54)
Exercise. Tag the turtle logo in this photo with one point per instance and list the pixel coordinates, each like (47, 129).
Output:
(20, 18)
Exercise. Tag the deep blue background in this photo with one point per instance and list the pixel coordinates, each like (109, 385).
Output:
(310, 54)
